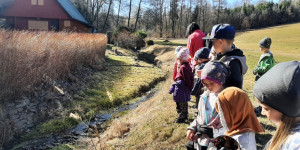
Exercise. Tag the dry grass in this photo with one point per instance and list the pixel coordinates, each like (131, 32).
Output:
(27, 57)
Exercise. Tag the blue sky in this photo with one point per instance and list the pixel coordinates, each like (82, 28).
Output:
(232, 3)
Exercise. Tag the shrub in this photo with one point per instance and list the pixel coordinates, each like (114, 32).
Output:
(149, 42)
(125, 38)
(141, 34)
(27, 57)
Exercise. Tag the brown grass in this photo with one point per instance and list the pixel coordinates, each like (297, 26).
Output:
(28, 57)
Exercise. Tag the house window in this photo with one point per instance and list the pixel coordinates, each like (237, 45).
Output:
(41, 2)
(67, 23)
(37, 25)
(33, 2)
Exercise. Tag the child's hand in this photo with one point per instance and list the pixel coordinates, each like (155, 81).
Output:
(190, 135)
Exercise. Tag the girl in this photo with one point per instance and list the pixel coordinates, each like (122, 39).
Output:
(278, 93)
(177, 62)
(183, 85)
(237, 117)
(207, 124)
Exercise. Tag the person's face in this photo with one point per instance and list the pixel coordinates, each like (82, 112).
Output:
(272, 114)
(222, 45)
(212, 86)
(263, 49)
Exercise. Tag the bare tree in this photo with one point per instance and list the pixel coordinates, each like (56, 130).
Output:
(120, 2)
(173, 15)
(130, 4)
(106, 18)
(137, 15)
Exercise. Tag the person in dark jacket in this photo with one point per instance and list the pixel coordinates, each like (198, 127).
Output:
(222, 36)
(182, 87)
(201, 57)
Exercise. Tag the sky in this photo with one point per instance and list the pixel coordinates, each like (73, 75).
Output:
(233, 3)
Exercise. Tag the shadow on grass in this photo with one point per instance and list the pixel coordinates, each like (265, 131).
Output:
(263, 139)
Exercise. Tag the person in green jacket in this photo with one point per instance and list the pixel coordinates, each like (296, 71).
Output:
(266, 61)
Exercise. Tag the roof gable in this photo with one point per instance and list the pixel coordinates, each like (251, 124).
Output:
(68, 6)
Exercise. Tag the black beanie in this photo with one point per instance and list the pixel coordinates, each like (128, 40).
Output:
(279, 88)
(202, 53)
(265, 42)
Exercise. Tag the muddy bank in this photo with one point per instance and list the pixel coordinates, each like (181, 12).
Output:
(84, 129)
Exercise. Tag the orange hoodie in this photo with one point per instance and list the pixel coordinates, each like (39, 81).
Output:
(236, 112)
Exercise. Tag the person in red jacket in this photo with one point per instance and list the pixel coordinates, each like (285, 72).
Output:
(195, 41)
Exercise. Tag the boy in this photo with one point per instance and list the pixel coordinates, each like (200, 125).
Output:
(222, 36)
(201, 57)
(266, 61)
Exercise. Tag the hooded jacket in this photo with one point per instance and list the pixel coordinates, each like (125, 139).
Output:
(279, 88)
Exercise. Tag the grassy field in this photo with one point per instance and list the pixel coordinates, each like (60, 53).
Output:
(151, 126)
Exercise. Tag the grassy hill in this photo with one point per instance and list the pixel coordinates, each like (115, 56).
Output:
(151, 126)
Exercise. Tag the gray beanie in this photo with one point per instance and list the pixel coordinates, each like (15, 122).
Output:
(215, 71)
(279, 88)
(265, 42)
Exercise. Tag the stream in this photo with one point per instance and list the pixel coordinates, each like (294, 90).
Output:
(82, 129)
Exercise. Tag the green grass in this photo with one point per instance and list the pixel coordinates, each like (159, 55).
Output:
(123, 80)
(169, 43)
(62, 147)
(52, 126)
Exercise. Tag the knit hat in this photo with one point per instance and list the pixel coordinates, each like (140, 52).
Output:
(265, 42)
(178, 49)
(215, 71)
(279, 88)
(183, 54)
(202, 53)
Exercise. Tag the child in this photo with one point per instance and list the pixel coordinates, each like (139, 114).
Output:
(237, 117)
(201, 57)
(222, 36)
(182, 86)
(177, 63)
(213, 77)
(278, 92)
(266, 61)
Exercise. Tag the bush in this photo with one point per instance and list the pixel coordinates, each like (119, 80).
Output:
(28, 57)
(125, 38)
(141, 34)
(149, 42)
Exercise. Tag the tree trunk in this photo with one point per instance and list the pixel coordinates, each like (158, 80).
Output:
(137, 16)
(120, 1)
(106, 18)
(129, 14)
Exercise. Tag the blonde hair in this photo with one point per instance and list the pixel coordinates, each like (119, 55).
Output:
(282, 133)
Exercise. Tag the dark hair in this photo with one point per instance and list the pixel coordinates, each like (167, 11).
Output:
(191, 28)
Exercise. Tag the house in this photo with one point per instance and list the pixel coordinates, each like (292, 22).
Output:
(57, 15)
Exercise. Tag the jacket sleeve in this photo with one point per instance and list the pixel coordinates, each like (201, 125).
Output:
(235, 78)
(172, 89)
(265, 65)
(175, 70)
